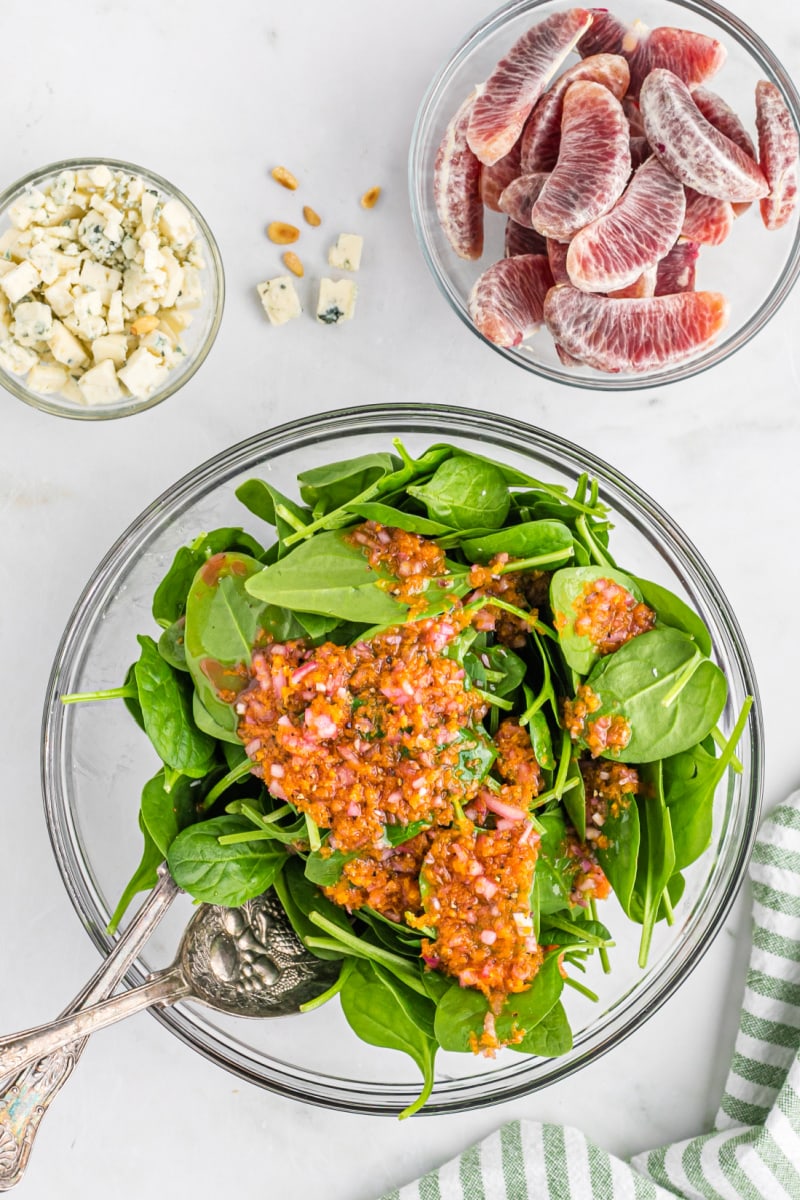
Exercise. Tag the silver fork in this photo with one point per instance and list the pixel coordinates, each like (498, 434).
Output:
(26, 1096)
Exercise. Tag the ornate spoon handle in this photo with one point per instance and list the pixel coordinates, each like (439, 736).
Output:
(26, 1097)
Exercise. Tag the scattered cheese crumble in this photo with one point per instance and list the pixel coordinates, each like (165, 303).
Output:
(337, 301)
(345, 254)
(86, 258)
(279, 299)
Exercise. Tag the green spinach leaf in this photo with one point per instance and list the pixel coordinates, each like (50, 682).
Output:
(223, 874)
(166, 701)
(465, 494)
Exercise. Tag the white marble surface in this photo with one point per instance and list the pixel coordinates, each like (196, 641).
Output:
(212, 96)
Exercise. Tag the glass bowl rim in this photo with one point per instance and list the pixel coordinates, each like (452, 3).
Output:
(418, 185)
(132, 405)
(361, 1096)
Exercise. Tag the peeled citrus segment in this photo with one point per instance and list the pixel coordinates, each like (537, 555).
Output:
(690, 147)
(542, 132)
(456, 188)
(693, 57)
(519, 197)
(557, 257)
(777, 154)
(722, 117)
(613, 251)
(633, 335)
(518, 80)
(640, 289)
(495, 179)
(594, 162)
(708, 220)
(676, 271)
(640, 151)
(507, 302)
(519, 240)
(566, 359)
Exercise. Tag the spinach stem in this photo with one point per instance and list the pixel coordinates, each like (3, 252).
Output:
(354, 945)
(605, 962)
(668, 910)
(590, 939)
(324, 997)
(246, 835)
(289, 517)
(722, 742)
(553, 794)
(683, 679)
(117, 693)
(581, 987)
(238, 772)
(421, 1100)
(497, 701)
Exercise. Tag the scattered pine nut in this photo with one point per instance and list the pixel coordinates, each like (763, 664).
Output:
(284, 178)
(293, 263)
(282, 233)
(143, 325)
(311, 217)
(370, 198)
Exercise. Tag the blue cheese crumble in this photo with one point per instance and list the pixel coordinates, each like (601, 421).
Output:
(337, 301)
(99, 274)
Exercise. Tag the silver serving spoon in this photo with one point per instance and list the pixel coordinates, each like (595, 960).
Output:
(244, 961)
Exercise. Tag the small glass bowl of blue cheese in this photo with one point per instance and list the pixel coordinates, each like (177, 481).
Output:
(111, 289)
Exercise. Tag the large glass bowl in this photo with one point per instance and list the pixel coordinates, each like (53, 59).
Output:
(754, 268)
(197, 339)
(95, 760)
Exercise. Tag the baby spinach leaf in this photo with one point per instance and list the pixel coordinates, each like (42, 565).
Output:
(166, 813)
(328, 575)
(567, 589)
(552, 880)
(266, 502)
(204, 721)
(333, 485)
(465, 494)
(326, 869)
(395, 518)
(171, 645)
(691, 779)
(656, 855)
(484, 665)
(670, 695)
(166, 699)
(144, 877)
(461, 1011)
(550, 540)
(381, 1011)
(574, 799)
(299, 897)
(541, 741)
(396, 835)
(169, 601)
(316, 626)
(222, 619)
(549, 1038)
(223, 874)
(131, 701)
(618, 849)
(671, 610)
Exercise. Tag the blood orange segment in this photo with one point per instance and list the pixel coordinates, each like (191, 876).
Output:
(507, 302)
(518, 80)
(691, 56)
(495, 179)
(722, 117)
(777, 154)
(542, 132)
(594, 162)
(690, 147)
(519, 240)
(557, 257)
(676, 271)
(456, 188)
(632, 111)
(519, 197)
(708, 220)
(613, 251)
(633, 335)
(640, 289)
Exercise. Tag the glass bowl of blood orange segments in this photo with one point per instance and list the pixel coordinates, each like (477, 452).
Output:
(95, 761)
(754, 268)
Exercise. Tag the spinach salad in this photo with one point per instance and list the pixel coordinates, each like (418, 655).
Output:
(440, 721)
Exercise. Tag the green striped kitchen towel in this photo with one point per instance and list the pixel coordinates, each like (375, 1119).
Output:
(753, 1152)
